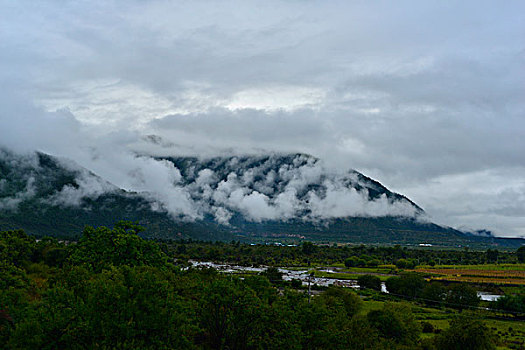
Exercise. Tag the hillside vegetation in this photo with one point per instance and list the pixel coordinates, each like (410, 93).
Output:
(112, 289)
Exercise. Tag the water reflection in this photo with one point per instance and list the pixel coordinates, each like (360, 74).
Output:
(288, 274)
(488, 297)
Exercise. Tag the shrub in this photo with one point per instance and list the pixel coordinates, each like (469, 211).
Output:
(296, 283)
(273, 274)
(427, 327)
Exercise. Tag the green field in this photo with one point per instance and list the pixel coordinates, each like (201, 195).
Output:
(347, 275)
(502, 267)
(510, 332)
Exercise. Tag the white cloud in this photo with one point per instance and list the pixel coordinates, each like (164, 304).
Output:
(489, 199)
(408, 93)
(88, 187)
(12, 202)
(273, 98)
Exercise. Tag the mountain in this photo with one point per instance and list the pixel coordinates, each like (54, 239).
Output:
(290, 197)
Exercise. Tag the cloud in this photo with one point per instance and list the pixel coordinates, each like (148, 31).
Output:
(340, 201)
(283, 187)
(11, 203)
(15, 190)
(408, 93)
(87, 186)
(490, 199)
(275, 187)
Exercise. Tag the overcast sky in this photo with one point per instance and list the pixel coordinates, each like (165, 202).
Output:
(427, 97)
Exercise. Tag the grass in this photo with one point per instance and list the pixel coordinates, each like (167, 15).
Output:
(296, 268)
(368, 270)
(344, 276)
(370, 305)
(513, 289)
(510, 332)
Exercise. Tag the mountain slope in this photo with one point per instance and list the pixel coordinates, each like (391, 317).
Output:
(253, 198)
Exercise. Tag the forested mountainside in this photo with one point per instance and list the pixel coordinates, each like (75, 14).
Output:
(256, 198)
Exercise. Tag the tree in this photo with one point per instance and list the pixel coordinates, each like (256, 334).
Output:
(348, 299)
(373, 263)
(262, 287)
(16, 247)
(492, 255)
(101, 247)
(351, 261)
(462, 296)
(122, 307)
(427, 327)
(328, 322)
(407, 284)
(396, 322)
(466, 333)
(369, 281)
(273, 274)
(512, 303)
(405, 264)
(434, 293)
(308, 248)
(520, 253)
(361, 262)
(15, 289)
(296, 283)
(230, 315)
(55, 256)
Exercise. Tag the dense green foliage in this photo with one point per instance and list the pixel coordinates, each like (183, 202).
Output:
(513, 303)
(395, 322)
(369, 281)
(308, 253)
(520, 254)
(413, 285)
(466, 333)
(409, 284)
(462, 296)
(103, 247)
(113, 289)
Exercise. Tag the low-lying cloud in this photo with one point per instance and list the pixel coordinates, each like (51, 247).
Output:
(275, 187)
